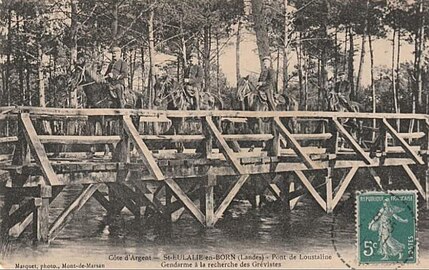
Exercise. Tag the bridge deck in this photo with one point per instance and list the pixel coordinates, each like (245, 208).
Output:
(301, 153)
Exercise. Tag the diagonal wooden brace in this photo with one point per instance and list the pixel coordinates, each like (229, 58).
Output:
(71, 210)
(38, 150)
(294, 144)
(226, 150)
(311, 189)
(232, 191)
(415, 180)
(342, 186)
(349, 138)
(143, 150)
(187, 202)
(403, 143)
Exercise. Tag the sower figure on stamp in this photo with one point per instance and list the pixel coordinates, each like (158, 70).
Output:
(194, 80)
(266, 82)
(117, 73)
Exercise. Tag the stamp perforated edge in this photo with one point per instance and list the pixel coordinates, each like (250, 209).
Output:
(358, 193)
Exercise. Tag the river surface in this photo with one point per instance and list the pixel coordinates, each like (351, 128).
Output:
(306, 231)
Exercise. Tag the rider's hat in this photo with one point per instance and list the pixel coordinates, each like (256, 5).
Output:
(266, 58)
(115, 49)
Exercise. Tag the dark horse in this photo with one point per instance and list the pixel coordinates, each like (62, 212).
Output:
(98, 95)
(171, 95)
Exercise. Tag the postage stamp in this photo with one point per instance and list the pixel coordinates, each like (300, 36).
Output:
(386, 227)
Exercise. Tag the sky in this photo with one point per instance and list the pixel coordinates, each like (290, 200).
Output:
(249, 61)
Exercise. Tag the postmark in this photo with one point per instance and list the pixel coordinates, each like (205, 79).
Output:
(386, 227)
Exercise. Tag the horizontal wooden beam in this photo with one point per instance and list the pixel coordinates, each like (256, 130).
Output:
(412, 135)
(60, 139)
(216, 113)
(10, 139)
(173, 138)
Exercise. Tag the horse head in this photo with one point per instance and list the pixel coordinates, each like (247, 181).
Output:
(169, 91)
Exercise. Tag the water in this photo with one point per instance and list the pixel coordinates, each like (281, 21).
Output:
(307, 230)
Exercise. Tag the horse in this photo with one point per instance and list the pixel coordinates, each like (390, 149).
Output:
(251, 98)
(336, 103)
(172, 95)
(98, 95)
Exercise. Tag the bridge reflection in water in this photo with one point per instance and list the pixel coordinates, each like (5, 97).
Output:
(146, 175)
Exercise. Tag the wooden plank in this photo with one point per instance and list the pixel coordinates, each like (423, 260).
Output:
(61, 139)
(144, 151)
(311, 189)
(102, 200)
(229, 154)
(232, 191)
(41, 220)
(173, 138)
(412, 135)
(9, 139)
(294, 144)
(403, 143)
(154, 119)
(37, 111)
(349, 138)
(187, 202)
(38, 151)
(415, 180)
(64, 218)
(247, 137)
(315, 136)
(328, 184)
(210, 201)
(343, 185)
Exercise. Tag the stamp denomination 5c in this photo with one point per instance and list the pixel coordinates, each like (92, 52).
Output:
(386, 227)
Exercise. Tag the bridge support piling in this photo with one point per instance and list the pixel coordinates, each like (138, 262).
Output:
(41, 216)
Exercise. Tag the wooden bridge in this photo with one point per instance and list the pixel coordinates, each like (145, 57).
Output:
(148, 180)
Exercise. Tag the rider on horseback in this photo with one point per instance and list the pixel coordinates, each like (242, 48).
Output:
(117, 73)
(266, 82)
(193, 80)
(342, 89)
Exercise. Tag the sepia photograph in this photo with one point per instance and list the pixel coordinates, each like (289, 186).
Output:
(214, 134)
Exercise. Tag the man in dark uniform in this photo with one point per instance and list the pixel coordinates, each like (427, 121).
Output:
(117, 74)
(266, 82)
(342, 89)
(194, 79)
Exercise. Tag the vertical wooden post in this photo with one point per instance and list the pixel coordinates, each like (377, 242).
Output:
(329, 196)
(383, 143)
(115, 202)
(425, 153)
(332, 149)
(209, 200)
(168, 202)
(274, 146)
(208, 141)
(41, 216)
(122, 152)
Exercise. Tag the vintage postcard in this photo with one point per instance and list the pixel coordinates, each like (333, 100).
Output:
(214, 134)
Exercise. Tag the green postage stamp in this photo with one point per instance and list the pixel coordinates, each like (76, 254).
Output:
(386, 227)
